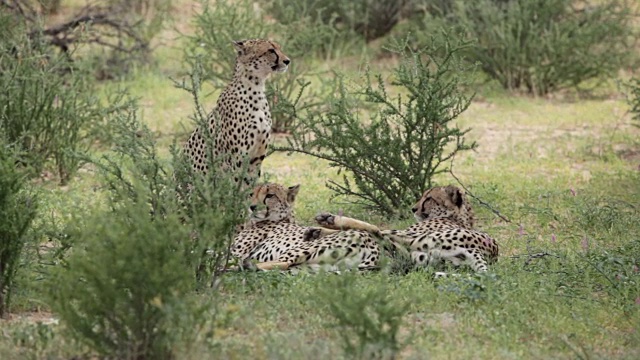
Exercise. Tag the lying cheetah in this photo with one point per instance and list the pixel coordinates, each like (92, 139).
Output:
(241, 122)
(274, 241)
(444, 231)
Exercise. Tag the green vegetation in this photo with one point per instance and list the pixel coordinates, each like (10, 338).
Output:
(368, 319)
(113, 265)
(541, 46)
(633, 98)
(391, 146)
(368, 19)
(17, 211)
(126, 288)
(48, 110)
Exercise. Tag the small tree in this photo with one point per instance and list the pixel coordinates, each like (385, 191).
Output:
(17, 211)
(391, 158)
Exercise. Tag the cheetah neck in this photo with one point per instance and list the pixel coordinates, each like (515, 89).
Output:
(464, 219)
(266, 222)
(269, 224)
(467, 217)
(247, 79)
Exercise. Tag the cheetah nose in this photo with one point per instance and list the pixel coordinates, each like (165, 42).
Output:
(253, 207)
(286, 61)
(414, 209)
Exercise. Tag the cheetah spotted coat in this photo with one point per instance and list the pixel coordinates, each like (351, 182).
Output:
(240, 124)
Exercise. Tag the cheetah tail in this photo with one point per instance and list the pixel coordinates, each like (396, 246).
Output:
(338, 222)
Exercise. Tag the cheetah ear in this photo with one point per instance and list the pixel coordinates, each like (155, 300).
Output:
(292, 191)
(455, 194)
(239, 45)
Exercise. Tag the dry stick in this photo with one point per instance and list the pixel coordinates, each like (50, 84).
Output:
(487, 205)
(529, 255)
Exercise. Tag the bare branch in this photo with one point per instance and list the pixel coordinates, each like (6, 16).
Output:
(485, 204)
(531, 257)
(109, 27)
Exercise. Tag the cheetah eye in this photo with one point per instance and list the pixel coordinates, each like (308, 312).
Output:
(273, 51)
(269, 196)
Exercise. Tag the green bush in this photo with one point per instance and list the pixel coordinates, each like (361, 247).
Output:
(125, 288)
(112, 35)
(391, 152)
(17, 211)
(214, 204)
(540, 46)
(369, 19)
(48, 110)
(633, 98)
(367, 318)
(221, 23)
(308, 33)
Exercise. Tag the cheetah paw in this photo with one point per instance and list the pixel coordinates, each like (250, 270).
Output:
(439, 275)
(326, 219)
(248, 265)
(312, 234)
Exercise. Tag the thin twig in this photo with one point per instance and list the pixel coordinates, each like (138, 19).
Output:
(487, 205)
(531, 257)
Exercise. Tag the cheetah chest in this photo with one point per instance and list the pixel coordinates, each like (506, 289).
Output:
(246, 121)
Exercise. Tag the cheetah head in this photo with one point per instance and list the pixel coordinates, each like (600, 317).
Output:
(260, 57)
(447, 202)
(273, 202)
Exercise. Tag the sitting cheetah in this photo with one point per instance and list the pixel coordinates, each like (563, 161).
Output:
(241, 122)
(444, 231)
(274, 241)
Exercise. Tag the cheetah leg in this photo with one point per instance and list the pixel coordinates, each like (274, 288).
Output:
(338, 222)
(273, 265)
(392, 240)
(460, 256)
(325, 231)
(403, 237)
(477, 261)
(313, 233)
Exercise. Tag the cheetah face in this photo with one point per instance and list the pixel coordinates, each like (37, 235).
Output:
(261, 57)
(273, 202)
(439, 202)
